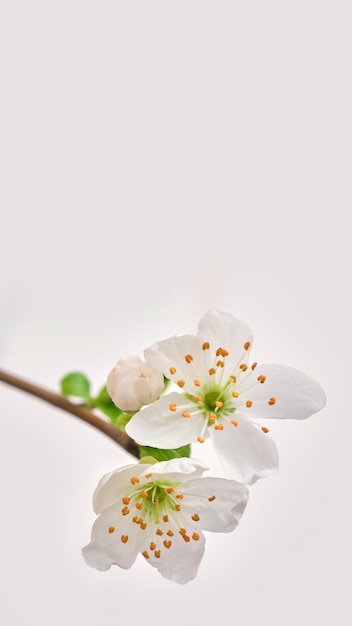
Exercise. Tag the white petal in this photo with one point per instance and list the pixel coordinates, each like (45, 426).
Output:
(106, 548)
(221, 514)
(171, 353)
(224, 330)
(296, 395)
(113, 486)
(177, 470)
(245, 452)
(180, 562)
(159, 427)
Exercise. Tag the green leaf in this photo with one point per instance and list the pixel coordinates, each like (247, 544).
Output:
(106, 406)
(75, 384)
(164, 455)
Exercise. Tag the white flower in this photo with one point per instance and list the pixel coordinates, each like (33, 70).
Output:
(133, 383)
(159, 510)
(223, 393)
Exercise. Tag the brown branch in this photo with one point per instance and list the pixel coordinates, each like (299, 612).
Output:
(83, 413)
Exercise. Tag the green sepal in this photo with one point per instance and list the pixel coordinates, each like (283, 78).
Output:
(76, 385)
(165, 455)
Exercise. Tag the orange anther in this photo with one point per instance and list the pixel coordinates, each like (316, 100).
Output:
(212, 418)
(134, 480)
(172, 370)
(126, 500)
(111, 529)
(206, 345)
(261, 379)
(235, 394)
(145, 554)
(165, 518)
(179, 496)
(212, 498)
(170, 533)
(195, 536)
(272, 401)
(159, 532)
(265, 430)
(219, 427)
(186, 538)
(157, 554)
(249, 404)
(170, 490)
(139, 506)
(243, 367)
(152, 545)
(182, 531)
(142, 525)
(196, 383)
(125, 510)
(172, 407)
(186, 414)
(211, 371)
(195, 517)
(167, 543)
(234, 422)
(197, 398)
(178, 507)
(181, 383)
(188, 358)
(254, 365)
(219, 404)
(124, 538)
(246, 345)
(220, 363)
(233, 378)
(148, 475)
(200, 439)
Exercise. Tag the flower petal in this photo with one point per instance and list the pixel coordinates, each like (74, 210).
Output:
(107, 547)
(113, 486)
(219, 502)
(180, 562)
(158, 426)
(245, 452)
(296, 395)
(182, 353)
(177, 470)
(222, 329)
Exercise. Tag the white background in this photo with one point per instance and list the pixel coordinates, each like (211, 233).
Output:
(159, 159)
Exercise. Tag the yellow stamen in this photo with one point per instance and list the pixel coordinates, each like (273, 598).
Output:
(145, 554)
(197, 398)
(167, 543)
(172, 370)
(152, 545)
(254, 365)
(243, 367)
(126, 500)
(219, 427)
(234, 422)
(265, 430)
(159, 532)
(170, 533)
(148, 475)
(196, 383)
(124, 538)
(182, 531)
(261, 379)
(170, 490)
(165, 518)
(195, 517)
(186, 538)
(220, 363)
(157, 554)
(179, 496)
(212, 498)
(188, 358)
(195, 536)
(211, 371)
(206, 345)
(125, 510)
(186, 414)
(272, 401)
(134, 480)
(219, 404)
(249, 404)
(139, 506)
(200, 439)
(233, 378)
(172, 407)
(111, 529)
(181, 383)
(246, 345)
(235, 394)
(143, 525)
(177, 507)
(212, 418)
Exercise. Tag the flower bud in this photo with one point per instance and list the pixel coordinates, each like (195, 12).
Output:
(133, 383)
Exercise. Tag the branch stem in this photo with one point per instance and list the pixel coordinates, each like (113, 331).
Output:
(81, 412)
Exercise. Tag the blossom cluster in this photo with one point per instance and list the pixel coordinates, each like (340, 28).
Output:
(215, 391)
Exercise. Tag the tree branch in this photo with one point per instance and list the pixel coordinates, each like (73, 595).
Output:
(83, 413)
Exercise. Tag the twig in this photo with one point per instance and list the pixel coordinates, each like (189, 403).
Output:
(83, 413)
